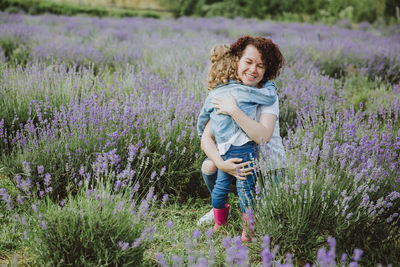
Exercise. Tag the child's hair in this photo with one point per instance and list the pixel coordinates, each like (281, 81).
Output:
(222, 66)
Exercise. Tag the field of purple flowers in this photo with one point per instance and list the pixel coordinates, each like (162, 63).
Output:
(100, 161)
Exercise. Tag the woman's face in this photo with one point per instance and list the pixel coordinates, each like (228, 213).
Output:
(251, 68)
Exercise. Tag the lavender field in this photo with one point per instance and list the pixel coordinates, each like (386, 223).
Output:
(100, 159)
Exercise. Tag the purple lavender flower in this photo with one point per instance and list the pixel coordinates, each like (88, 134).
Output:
(35, 207)
(26, 167)
(343, 258)
(196, 234)
(357, 253)
(117, 185)
(47, 179)
(61, 202)
(169, 224)
(266, 255)
(164, 199)
(152, 176)
(257, 189)
(81, 171)
(20, 199)
(178, 261)
(40, 169)
(6, 198)
(123, 245)
(161, 260)
(25, 185)
(250, 218)
(119, 207)
(209, 233)
(89, 193)
(163, 169)
(43, 225)
(136, 187)
(226, 242)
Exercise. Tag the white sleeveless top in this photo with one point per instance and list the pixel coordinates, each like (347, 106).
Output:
(274, 148)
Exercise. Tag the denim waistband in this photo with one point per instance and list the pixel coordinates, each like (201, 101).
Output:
(249, 144)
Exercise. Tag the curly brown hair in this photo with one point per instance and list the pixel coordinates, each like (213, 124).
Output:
(222, 66)
(270, 54)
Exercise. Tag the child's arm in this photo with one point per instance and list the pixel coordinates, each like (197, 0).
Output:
(203, 118)
(233, 166)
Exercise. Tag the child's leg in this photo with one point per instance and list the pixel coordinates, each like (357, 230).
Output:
(209, 173)
(246, 188)
(219, 196)
(221, 189)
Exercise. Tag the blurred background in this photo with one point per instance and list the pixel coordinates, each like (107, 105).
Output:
(323, 11)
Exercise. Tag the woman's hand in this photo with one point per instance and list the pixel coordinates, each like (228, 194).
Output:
(224, 105)
(235, 168)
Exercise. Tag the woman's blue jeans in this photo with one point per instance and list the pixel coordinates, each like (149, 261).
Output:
(245, 188)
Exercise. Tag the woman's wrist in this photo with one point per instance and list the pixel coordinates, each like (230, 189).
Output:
(235, 112)
(219, 163)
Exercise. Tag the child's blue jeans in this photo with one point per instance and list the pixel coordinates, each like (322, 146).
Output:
(245, 188)
(209, 179)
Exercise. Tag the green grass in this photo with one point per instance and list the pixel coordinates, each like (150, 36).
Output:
(184, 216)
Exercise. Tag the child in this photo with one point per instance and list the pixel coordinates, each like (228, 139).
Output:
(222, 79)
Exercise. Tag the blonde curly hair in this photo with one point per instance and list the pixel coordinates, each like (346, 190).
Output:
(222, 66)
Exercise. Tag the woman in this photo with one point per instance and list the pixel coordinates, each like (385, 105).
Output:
(258, 60)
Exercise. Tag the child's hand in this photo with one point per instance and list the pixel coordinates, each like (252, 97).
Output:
(225, 104)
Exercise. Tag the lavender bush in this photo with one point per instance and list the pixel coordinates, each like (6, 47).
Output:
(341, 181)
(94, 227)
(129, 136)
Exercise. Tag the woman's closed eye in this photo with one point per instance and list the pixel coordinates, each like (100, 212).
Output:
(261, 66)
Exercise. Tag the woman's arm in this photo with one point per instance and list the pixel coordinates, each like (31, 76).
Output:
(233, 166)
(259, 132)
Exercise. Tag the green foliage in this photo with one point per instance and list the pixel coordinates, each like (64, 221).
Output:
(229, 9)
(87, 231)
(10, 228)
(287, 117)
(15, 50)
(35, 7)
(304, 10)
(362, 93)
(390, 8)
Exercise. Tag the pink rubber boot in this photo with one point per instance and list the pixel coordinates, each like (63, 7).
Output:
(220, 216)
(248, 229)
